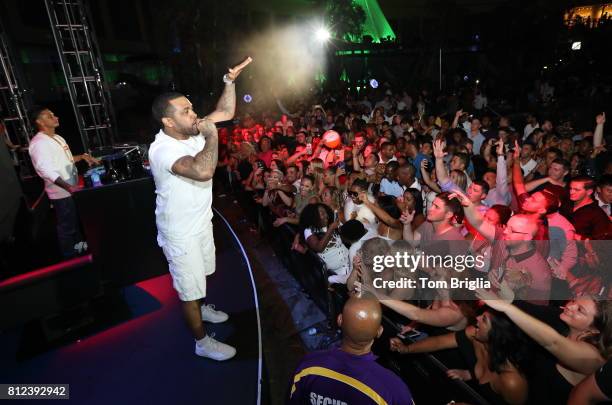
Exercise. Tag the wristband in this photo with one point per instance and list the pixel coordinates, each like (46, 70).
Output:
(226, 79)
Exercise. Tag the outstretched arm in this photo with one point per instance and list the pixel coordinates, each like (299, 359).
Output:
(517, 172)
(226, 106)
(600, 120)
(439, 154)
(442, 317)
(578, 355)
(474, 217)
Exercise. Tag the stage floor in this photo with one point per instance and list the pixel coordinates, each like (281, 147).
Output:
(149, 357)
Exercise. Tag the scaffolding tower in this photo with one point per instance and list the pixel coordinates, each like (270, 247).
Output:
(14, 101)
(80, 59)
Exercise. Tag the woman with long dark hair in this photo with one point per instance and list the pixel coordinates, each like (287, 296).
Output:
(496, 354)
(576, 352)
(320, 233)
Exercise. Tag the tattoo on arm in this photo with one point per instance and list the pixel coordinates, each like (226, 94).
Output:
(202, 166)
(227, 102)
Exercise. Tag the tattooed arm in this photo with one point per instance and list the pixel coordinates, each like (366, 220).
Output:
(201, 167)
(226, 106)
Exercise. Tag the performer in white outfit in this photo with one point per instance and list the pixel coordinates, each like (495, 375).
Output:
(183, 160)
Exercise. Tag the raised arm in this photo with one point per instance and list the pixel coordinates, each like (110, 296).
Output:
(600, 120)
(441, 173)
(319, 245)
(517, 172)
(427, 178)
(201, 167)
(474, 217)
(458, 114)
(502, 172)
(409, 234)
(226, 106)
(379, 212)
(430, 344)
(578, 355)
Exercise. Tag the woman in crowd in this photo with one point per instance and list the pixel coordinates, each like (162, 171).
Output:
(496, 354)
(583, 347)
(320, 234)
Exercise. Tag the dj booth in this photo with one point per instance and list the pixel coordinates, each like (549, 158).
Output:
(118, 222)
(116, 208)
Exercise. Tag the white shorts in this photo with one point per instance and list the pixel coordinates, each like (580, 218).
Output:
(190, 262)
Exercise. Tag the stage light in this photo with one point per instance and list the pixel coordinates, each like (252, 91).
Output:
(322, 34)
(545, 67)
(374, 83)
(247, 98)
(576, 46)
(477, 81)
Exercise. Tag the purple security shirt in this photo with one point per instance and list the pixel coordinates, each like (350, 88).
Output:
(334, 377)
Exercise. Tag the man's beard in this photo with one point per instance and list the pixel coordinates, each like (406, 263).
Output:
(191, 130)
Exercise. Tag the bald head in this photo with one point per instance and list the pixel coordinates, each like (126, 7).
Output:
(360, 320)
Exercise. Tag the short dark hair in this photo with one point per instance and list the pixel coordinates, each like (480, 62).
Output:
(394, 165)
(556, 151)
(362, 184)
(34, 113)
(483, 184)
(563, 162)
(161, 105)
(589, 182)
(452, 205)
(605, 180)
(464, 158)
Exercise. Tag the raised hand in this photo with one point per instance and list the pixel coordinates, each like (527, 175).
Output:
(461, 197)
(236, 70)
(500, 146)
(492, 300)
(438, 149)
(601, 118)
(517, 151)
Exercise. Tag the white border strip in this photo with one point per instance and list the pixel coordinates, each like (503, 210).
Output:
(246, 259)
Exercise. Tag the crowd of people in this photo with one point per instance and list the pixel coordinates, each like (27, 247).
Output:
(359, 177)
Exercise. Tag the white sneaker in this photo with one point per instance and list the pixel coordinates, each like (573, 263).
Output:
(209, 314)
(213, 349)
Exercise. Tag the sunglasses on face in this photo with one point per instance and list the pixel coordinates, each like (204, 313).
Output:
(353, 193)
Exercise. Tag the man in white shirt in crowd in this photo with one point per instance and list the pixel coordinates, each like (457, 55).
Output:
(528, 163)
(532, 123)
(55, 164)
(183, 160)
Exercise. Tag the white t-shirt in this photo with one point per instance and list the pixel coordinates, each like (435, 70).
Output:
(51, 157)
(529, 167)
(183, 205)
(364, 214)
